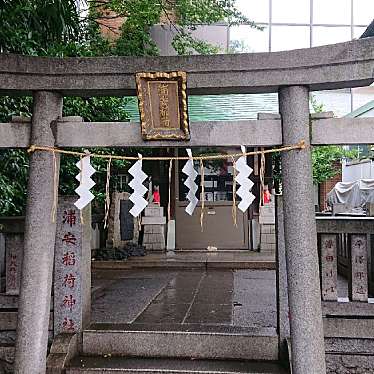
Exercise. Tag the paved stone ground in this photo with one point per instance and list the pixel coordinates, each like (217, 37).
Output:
(215, 297)
(244, 298)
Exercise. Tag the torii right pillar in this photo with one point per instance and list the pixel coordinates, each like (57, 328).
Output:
(307, 338)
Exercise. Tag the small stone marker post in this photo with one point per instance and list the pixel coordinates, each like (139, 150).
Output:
(72, 279)
(122, 227)
(13, 263)
(154, 228)
(358, 285)
(329, 268)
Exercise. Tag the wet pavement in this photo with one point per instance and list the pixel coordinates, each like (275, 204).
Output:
(215, 297)
(242, 298)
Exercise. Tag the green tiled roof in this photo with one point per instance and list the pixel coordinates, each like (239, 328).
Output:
(221, 107)
(361, 110)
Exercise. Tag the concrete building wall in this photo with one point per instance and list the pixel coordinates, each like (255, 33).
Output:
(216, 35)
(357, 170)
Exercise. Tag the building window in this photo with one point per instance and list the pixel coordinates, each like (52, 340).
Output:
(218, 178)
(122, 182)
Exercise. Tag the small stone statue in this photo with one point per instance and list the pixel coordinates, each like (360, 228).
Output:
(156, 195)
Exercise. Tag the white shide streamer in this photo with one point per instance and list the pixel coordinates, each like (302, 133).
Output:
(242, 177)
(190, 183)
(137, 197)
(85, 182)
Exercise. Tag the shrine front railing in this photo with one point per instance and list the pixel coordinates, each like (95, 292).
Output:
(344, 244)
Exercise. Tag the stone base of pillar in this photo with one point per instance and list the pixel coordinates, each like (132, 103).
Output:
(154, 228)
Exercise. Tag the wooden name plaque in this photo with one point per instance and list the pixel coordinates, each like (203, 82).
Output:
(163, 105)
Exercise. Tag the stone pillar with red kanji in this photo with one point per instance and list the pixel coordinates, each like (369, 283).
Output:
(72, 277)
(329, 267)
(13, 262)
(358, 285)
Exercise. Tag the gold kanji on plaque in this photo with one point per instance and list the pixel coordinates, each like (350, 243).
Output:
(163, 105)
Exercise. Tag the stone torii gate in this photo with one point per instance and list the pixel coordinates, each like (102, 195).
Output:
(292, 74)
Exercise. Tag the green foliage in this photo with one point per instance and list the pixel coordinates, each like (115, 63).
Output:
(32, 26)
(96, 109)
(195, 12)
(57, 28)
(13, 181)
(327, 161)
(185, 44)
(182, 16)
(13, 162)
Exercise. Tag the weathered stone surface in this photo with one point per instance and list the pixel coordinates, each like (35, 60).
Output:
(329, 267)
(349, 327)
(13, 261)
(322, 115)
(344, 224)
(118, 365)
(347, 64)
(154, 228)
(348, 309)
(358, 285)
(265, 132)
(153, 220)
(6, 359)
(254, 301)
(262, 116)
(15, 135)
(71, 119)
(122, 134)
(349, 364)
(304, 291)
(154, 211)
(21, 119)
(267, 214)
(349, 346)
(181, 344)
(63, 349)
(72, 276)
(114, 223)
(8, 320)
(342, 130)
(8, 338)
(138, 293)
(283, 314)
(40, 231)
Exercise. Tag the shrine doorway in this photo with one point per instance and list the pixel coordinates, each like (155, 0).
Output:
(218, 230)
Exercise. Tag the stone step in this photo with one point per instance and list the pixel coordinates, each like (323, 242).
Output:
(142, 340)
(144, 263)
(115, 365)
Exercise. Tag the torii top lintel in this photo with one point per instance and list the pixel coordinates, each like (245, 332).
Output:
(342, 65)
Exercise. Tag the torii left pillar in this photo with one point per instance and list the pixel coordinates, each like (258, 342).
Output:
(40, 231)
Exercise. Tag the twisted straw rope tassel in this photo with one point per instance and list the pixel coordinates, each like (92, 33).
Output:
(262, 177)
(80, 182)
(55, 188)
(202, 184)
(234, 210)
(169, 200)
(107, 193)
